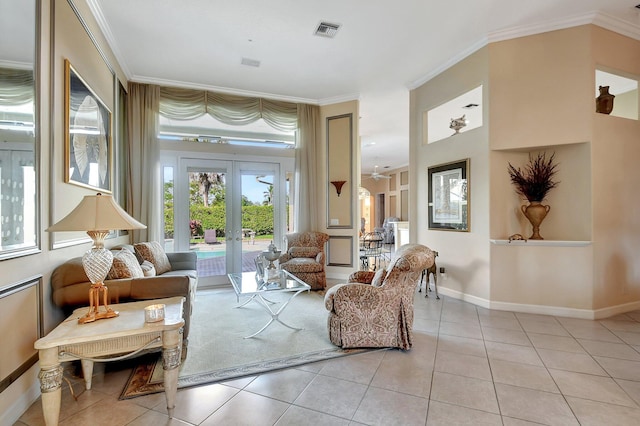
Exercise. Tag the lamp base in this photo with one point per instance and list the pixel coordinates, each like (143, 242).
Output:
(98, 291)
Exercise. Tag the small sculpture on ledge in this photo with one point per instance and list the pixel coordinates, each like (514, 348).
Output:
(458, 124)
(604, 102)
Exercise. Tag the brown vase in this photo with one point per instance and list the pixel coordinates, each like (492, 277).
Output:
(604, 102)
(536, 213)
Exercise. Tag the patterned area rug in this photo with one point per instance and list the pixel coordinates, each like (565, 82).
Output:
(218, 350)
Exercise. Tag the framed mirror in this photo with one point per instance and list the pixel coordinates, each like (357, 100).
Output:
(449, 196)
(19, 189)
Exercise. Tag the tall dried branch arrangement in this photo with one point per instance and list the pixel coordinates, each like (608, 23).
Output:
(536, 180)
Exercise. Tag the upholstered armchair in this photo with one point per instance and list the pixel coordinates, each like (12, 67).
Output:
(375, 309)
(304, 257)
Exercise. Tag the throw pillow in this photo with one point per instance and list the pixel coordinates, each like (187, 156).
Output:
(148, 269)
(154, 253)
(303, 251)
(125, 265)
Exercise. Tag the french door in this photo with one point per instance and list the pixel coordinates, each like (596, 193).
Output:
(228, 211)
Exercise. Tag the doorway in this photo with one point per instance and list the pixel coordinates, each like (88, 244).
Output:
(228, 212)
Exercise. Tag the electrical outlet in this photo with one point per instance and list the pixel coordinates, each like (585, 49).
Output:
(442, 270)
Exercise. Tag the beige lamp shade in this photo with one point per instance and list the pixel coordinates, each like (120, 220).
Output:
(97, 213)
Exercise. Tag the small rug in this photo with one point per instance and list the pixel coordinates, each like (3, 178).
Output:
(218, 350)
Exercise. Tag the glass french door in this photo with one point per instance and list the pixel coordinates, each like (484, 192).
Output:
(229, 212)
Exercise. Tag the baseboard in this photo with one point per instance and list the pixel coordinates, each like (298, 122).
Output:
(24, 401)
(616, 310)
(558, 311)
(464, 297)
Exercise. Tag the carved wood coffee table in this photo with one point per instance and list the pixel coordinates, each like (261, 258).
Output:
(110, 340)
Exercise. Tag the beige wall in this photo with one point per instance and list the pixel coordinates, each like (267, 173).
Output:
(616, 176)
(339, 245)
(465, 255)
(540, 95)
(383, 187)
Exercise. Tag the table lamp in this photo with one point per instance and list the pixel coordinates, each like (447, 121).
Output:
(97, 215)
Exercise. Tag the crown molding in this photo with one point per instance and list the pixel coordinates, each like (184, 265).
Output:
(219, 89)
(600, 19)
(94, 6)
(596, 18)
(617, 25)
(541, 27)
(448, 64)
(338, 99)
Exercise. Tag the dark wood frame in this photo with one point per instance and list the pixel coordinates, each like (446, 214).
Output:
(457, 218)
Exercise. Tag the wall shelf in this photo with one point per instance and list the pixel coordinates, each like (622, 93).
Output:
(550, 243)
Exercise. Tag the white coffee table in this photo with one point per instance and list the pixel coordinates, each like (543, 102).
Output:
(115, 338)
(246, 284)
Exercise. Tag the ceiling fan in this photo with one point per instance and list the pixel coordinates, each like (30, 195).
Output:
(377, 176)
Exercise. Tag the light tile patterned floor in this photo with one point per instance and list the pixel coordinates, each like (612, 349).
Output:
(469, 365)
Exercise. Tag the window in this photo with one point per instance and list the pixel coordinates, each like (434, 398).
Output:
(625, 90)
(466, 109)
(207, 129)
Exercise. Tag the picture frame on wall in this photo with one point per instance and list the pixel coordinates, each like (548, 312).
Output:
(449, 205)
(88, 145)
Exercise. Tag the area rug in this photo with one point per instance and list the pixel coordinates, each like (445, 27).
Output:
(219, 351)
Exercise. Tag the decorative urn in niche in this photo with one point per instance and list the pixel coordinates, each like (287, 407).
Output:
(533, 183)
(604, 102)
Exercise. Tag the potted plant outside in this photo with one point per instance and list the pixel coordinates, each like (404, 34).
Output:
(533, 183)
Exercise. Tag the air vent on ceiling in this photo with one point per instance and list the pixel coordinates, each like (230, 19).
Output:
(470, 106)
(637, 6)
(250, 62)
(326, 29)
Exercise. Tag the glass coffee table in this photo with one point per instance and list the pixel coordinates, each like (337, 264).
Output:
(248, 285)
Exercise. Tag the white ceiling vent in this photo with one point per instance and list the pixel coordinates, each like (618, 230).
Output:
(326, 29)
(250, 62)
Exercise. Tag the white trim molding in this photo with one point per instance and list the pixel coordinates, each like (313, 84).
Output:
(558, 311)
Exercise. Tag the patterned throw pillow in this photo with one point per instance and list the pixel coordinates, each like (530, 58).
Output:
(154, 253)
(148, 269)
(125, 265)
(303, 251)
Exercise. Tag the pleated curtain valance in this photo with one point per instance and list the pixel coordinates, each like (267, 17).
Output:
(16, 87)
(187, 104)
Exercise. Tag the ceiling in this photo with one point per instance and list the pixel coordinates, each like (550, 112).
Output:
(381, 51)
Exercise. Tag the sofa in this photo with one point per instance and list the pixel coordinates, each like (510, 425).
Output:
(375, 309)
(163, 275)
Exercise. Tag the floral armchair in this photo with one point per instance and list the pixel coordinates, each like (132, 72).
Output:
(304, 257)
(375, 309)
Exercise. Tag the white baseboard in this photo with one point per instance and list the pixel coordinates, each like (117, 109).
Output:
(615, 310)
(558, 311)
(464, 297)
(26, 399)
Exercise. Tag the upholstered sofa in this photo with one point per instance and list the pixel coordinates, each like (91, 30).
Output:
(375, 309)
(176, 276)
(304, 257)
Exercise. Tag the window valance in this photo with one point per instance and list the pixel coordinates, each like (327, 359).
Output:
(16, 86)
(187, 104)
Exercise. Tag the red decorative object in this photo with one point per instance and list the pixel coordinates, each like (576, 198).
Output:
(338, 184)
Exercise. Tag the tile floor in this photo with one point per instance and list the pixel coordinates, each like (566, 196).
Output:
(468, 365)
